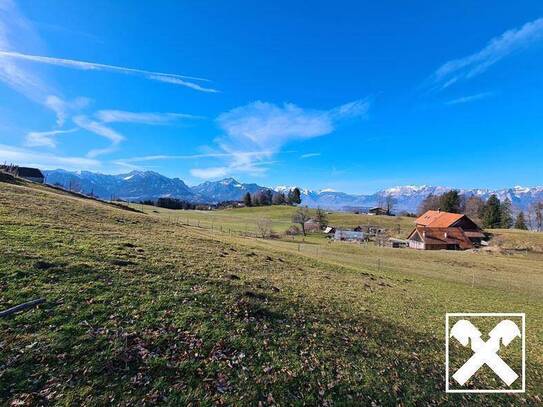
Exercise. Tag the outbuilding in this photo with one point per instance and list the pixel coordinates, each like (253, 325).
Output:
(28, 173)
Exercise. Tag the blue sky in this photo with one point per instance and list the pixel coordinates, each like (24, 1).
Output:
(353, 96)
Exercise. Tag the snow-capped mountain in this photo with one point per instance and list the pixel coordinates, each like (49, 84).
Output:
(140, 185)
(227, 189)
(409, 197)
(134, 186)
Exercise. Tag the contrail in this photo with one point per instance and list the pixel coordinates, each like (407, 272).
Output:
(87, 66)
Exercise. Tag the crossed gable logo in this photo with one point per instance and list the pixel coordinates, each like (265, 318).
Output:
(485, 337)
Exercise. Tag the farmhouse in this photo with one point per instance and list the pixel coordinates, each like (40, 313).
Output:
(30, 174)
(436, 230)
(377, 211)
(312, 225)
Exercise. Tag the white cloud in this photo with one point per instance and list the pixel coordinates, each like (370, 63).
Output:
(265, 128)
(100, 130)
(62, 108)
(496, 49)
(45, 160)
(93, 66)
(15, 30)
(181, 82)
(44, 138)
(119, 116)
(471, 98)
(309, 155)
(209, 173)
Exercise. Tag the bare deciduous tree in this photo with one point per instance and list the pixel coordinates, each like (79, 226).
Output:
(538, 215)
(300, 217)
(473, 208)
(389, 204)
(264, 227)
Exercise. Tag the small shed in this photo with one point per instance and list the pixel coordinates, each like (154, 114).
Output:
(397, 243)
(312, 225)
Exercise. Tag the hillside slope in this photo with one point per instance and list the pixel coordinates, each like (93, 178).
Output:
(142, 310)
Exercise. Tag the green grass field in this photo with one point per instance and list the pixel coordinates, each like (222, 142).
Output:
(145, 309)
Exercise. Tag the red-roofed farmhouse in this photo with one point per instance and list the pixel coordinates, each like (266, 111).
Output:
(437, 230)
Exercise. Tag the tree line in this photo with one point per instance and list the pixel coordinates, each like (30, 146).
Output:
(268, 197)
(490, 214)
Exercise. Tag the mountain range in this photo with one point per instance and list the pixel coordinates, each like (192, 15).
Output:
(143, 185)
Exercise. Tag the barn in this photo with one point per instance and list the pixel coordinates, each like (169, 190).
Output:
(28, 173)
(438, 230)
(377, 211)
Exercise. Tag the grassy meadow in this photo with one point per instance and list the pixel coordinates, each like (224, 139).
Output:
(179, 307)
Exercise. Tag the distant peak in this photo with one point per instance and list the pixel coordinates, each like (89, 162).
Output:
(142, 173)
(229, 180)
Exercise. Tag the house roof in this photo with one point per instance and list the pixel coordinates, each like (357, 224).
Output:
(438, 219)
(440, 236)
(311, 222)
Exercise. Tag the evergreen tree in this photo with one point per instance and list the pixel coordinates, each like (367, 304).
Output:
(520, 223)
(451, 201)
(506, 214)
(321, 217)
(294, 196)
(247, 199)
(491, 213)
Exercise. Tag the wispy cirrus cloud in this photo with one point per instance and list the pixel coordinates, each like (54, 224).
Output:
(99, 129)
(470, 98)
(63, 108)
(497, 48)
(17, 32)
(94, 66)
(33, 158)
(265, 128)
(210, 172)
(309, 155)
(120, 116)
(44, 138)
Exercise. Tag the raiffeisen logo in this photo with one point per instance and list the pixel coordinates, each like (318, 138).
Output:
(485, 353)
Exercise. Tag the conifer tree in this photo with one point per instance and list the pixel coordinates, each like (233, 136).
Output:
(247, 199)
(520, 223)
(491, 213)
(506, 214)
